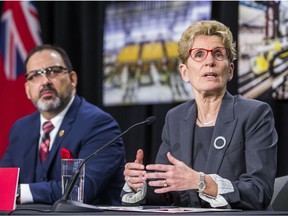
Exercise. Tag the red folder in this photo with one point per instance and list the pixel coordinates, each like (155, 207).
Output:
(8, 188)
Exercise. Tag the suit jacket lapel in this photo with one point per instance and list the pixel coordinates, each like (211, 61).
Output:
(31, 146)
(186, 141)
(222, 134)
(188, 125)
(63, 131)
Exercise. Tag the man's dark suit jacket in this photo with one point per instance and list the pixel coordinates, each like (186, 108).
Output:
(86, 128)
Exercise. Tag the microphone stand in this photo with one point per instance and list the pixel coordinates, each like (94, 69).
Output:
(66, 205)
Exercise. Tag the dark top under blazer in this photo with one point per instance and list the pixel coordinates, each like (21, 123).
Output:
(86, 128)
(249, 159)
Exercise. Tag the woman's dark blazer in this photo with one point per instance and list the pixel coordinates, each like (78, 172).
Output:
(248, 159)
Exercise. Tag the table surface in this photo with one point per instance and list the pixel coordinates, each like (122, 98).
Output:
(40, 209)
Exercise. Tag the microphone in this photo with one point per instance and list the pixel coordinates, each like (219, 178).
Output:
(66, 205)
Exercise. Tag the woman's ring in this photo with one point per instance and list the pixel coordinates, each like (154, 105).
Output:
(165, 183)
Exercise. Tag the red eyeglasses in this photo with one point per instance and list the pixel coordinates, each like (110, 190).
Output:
(200, 54)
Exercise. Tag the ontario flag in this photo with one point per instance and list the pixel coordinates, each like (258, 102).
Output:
(19, 33)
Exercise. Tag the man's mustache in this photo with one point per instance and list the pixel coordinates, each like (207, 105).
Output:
(47, 88)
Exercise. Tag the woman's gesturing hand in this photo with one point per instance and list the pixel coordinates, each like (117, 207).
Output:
(175, 177)
(135, 171)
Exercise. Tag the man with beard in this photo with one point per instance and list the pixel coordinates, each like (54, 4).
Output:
(78, 128)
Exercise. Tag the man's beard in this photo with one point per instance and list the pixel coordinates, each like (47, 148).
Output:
(48, 106)
(53, 104)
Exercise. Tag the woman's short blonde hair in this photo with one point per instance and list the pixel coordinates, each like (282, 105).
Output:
(206, 27)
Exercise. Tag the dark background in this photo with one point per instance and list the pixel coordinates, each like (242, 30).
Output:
(78, 28)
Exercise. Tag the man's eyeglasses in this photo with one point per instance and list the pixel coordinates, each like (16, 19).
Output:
(50, 72)
(200, 54)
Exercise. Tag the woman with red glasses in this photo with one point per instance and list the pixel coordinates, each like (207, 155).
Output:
(217, 150)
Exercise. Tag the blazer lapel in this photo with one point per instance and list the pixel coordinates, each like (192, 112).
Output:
(222, 134)
(31, 146)
(63, 131)
(188, 125)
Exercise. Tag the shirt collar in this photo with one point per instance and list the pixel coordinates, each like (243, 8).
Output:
(57, 120)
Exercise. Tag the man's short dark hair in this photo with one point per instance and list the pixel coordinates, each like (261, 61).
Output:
(60, 50)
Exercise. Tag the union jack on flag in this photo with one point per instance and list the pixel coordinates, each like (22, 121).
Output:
(19, 33)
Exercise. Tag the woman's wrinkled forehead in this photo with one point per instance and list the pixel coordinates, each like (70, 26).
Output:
(207, 42)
